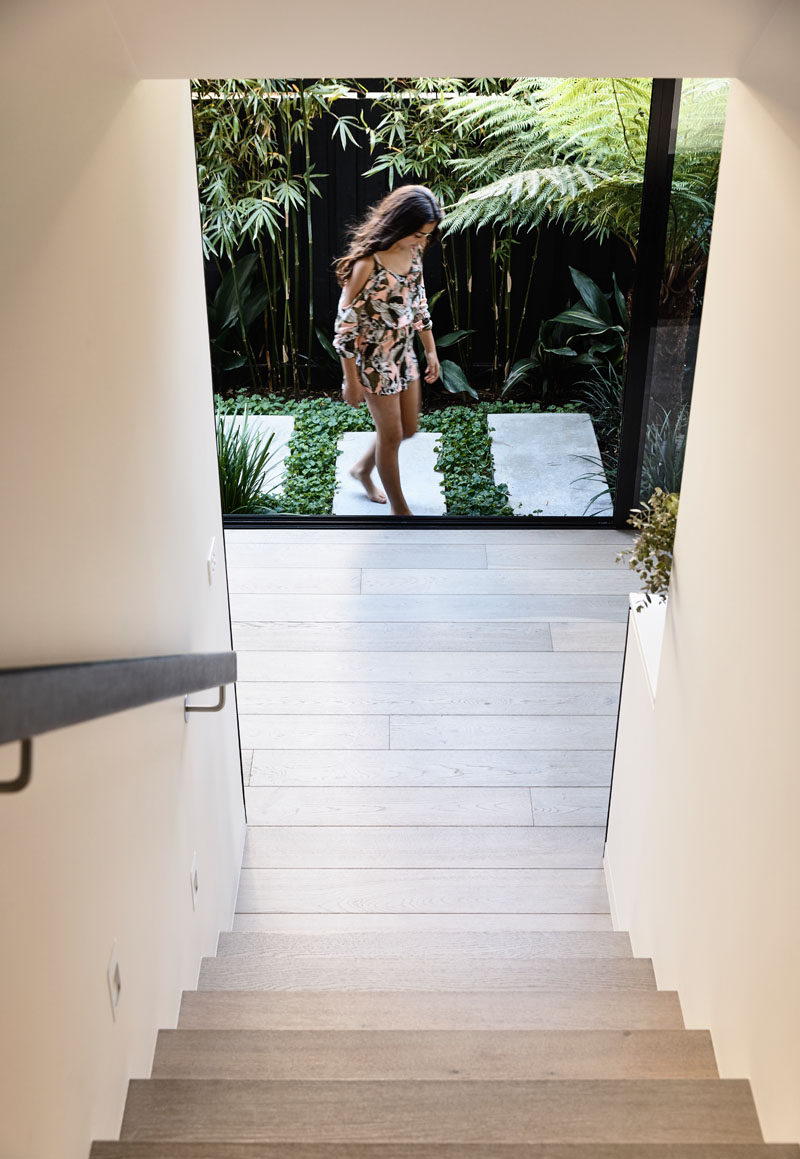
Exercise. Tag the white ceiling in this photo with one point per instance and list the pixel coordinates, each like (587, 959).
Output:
(249, 38)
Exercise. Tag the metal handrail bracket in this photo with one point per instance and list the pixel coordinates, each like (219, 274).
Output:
(187, 707)
(25, 766)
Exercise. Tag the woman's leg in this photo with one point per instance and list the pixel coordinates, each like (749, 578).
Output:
(362, 470)
(387, 416)
(410, 406)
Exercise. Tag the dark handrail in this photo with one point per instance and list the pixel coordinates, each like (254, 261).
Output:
(40, 699)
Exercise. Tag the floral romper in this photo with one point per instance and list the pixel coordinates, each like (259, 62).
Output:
(378, 327)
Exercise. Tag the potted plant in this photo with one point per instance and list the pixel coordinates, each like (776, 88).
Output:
(651, 554)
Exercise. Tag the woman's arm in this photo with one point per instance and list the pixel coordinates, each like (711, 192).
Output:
(346, 330)
(424, 327)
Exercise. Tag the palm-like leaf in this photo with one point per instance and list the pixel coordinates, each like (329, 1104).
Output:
(572, 151)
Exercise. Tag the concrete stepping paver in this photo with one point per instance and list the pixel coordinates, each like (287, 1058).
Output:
(282, 427)
(422, 483)
(537, 456)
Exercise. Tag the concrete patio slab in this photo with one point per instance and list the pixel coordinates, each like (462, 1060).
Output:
(282, 427)
(422, 483)
(538, 457)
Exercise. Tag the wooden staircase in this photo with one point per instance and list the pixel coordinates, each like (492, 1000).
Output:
(512, 1045)
(427, 767)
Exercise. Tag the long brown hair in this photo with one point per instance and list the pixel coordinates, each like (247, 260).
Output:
(399, 214)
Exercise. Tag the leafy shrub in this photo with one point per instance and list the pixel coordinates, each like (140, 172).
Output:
(664, 442)
(664, 451)
(591, 332)
(602, 397)
(247, 473)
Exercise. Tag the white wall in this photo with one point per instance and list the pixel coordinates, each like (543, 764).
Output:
(174, 38)
(110, 501)
(712, 890)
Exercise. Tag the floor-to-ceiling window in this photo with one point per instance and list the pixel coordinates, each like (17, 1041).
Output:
(532, 289)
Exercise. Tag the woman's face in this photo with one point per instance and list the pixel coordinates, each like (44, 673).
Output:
(420, 238)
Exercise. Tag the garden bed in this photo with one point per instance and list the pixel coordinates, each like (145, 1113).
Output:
(464, 455)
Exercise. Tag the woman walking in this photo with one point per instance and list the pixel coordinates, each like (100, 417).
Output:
(382, 306)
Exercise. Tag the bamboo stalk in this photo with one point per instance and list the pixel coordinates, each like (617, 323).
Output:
(468, 251)
(254, 376)
(286, 320)
(449, 289)
(306, 106)
(267, 317)
(527, 295)
(289, 330)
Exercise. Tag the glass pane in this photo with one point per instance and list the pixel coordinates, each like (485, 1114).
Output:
(697, 153)
(529, 291)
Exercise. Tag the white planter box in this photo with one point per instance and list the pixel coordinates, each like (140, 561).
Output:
(648, 630)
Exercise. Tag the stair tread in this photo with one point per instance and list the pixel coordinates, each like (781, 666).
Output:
(176, 1150)
(491, 944)
(263, 972)
(438, 1054)
(542, 1110)
(430, 1010)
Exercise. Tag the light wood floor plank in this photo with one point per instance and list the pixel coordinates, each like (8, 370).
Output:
(424, 847)
(432, 637)
(586, 637)
(302, 554)
(701, 1110)
(420, 1010)
(264, 972)
(340, 697)
(314, 731)
(294, 581)
(555, 555)
(422, 891)
(569, 806)
(467, 767)
(434, 1055)
(501, 732)
(497, 581)
(371, 608)
(388, 806)
(522, 944)
(177, 1150)
(416, 922)
(425, 667)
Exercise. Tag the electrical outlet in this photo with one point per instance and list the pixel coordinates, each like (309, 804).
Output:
(194, 881)
(211, 561)
(114, 981)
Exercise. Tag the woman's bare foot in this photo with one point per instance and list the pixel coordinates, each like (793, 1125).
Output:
(365, 479)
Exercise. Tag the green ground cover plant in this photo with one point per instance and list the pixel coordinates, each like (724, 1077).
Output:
(464, 451)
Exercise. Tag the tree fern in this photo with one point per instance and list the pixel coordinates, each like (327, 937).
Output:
(572, 150)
